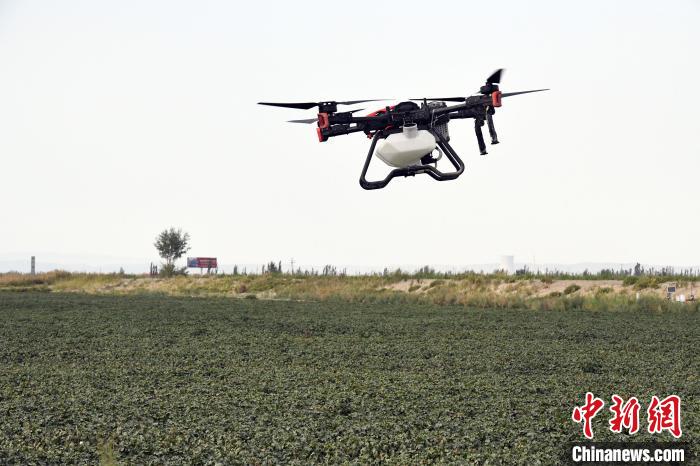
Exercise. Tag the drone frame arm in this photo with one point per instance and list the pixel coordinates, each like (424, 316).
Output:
(413, 169)
(465, 110)
(344, 123)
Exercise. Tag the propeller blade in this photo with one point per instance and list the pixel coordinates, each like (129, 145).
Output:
(353, 102)
(508, 94)
(462, 99)
(314, 120)
(299, 105)
(495, 77)
(307, 120)
(444, 99)
(308, 105)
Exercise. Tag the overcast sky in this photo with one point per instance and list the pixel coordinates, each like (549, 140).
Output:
(121, 118)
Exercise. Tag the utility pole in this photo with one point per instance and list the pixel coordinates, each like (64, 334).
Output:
(33, 265)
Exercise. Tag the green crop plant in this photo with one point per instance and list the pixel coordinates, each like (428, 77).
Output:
(386, 378)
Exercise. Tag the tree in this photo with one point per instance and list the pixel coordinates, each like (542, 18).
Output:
(171, 245)
(272, 267)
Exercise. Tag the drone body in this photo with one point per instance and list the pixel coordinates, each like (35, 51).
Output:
(408, 137)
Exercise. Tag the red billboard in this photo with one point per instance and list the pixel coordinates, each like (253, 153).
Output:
(202, 262)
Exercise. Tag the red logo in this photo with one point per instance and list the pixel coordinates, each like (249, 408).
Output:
(662, 415)
(626, 415)
(587, 412)
(665, 415)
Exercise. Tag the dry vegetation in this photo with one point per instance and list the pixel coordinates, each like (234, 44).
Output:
(471, 290)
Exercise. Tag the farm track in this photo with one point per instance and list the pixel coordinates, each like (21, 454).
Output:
(156, 379)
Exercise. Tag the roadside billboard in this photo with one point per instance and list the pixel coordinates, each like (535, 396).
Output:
(202, 262)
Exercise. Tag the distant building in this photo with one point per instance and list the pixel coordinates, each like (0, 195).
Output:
(508, 264)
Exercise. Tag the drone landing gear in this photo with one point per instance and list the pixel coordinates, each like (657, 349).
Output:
(492, 128)
(414, 170)
(478, 123)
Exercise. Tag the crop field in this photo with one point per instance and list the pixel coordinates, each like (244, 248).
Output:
(139, 379)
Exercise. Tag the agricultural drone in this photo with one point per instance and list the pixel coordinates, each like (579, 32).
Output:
(408, 137)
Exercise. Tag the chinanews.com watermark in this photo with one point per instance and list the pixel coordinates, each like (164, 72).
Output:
(591, 453)
(663, 417)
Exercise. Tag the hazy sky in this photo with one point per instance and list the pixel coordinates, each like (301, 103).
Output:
(120, 118)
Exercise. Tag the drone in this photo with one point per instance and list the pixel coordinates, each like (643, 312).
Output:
(408, 137)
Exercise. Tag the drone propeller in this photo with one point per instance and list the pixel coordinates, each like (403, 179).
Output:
(308, 105)
(508, 94)
(491, 85)
(492, 82)
(463, 99)
(444, 99)
(495, 77)
(314, 120)
(305, 120)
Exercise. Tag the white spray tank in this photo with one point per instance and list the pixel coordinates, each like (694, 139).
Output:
(407, 147)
